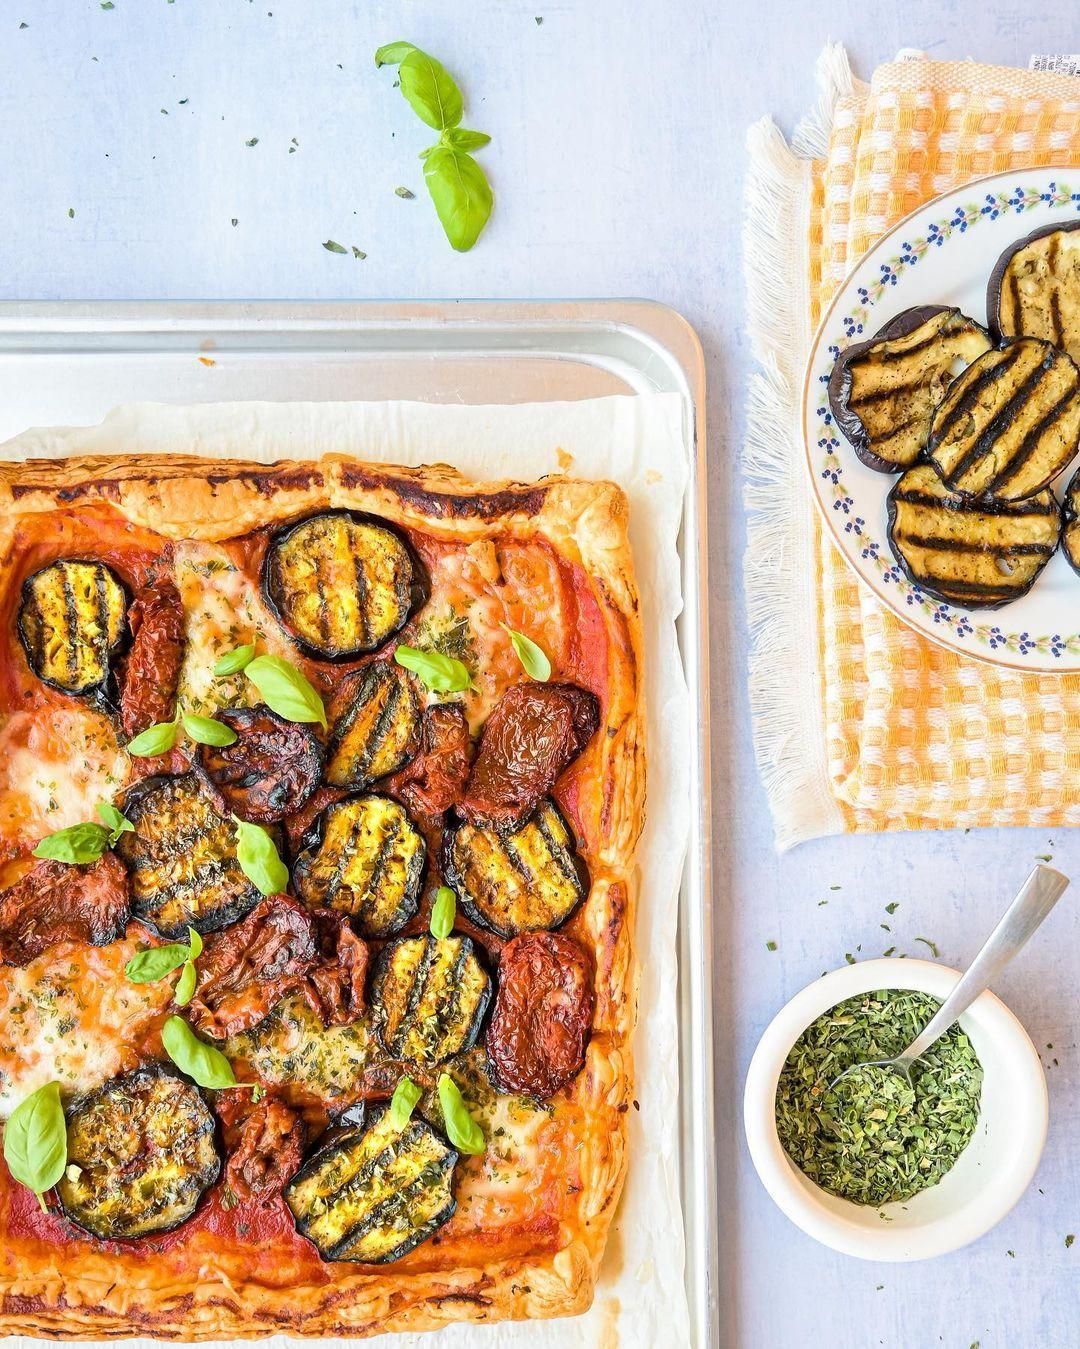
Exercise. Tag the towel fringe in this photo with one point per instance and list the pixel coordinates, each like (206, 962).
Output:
(779, 575)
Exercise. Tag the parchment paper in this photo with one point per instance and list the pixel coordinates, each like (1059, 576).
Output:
(639, 443)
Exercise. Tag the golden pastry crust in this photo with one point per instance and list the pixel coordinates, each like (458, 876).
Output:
(78, 1290)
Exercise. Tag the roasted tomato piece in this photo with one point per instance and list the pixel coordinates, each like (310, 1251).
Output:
(535, 731)
(366, 860)
(55, 902)
(152, 671)
(248, 968)
(72, 622)
(428, 998)
(435, 780)
(543, 1010)
(182, 857)
(375, 726)
(142, 1152)
(342, 584)
(334, 986)
(372, 1195)
(269, 770)
(268, 1154)
(521, 881)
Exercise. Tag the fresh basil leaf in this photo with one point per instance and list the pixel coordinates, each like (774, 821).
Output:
(441, 674)
(147, 967)
(430, 90)
(202, 1062)
(392, 53)
(118, 824)
(35, 1140)
(235, 660)
(533, 659)
(207, 731)
(443, 912)
(196, 943)
(461, 193)
(461, 139)
(185, 985)
(461, 1129)
(155, 740)
(259, 860)
(403, 1102)
(286, 690)
(78, 844)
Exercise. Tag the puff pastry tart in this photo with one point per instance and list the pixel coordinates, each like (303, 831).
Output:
(320, 784)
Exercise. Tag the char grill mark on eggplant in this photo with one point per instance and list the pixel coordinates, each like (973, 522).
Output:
(428, 998)
(181, 857)
(372, 1195)
(1009, 424)
(883, 392)
(975, 554)
(141, 1153)
(1034, 289)
(365, 859)
(376, 730)
(342, 584)
(522, 881)
(72, 623)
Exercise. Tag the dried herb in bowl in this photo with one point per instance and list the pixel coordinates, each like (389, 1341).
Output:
(874, 1139)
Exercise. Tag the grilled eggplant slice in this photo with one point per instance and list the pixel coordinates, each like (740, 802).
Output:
(428, 998)
(342, 584)
(377, 729)
(1070, 518)
(181, 857)
(523, 881)
(975, 554)
(883, 392)
(142, 1151)
(1034, 289)
(365, 859)
(73, 622)
(1009, 424)
(372, 1195)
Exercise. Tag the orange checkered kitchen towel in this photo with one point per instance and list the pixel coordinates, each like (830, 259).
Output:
(859, 723)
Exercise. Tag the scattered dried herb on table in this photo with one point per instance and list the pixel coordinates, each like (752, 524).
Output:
(874, 1139)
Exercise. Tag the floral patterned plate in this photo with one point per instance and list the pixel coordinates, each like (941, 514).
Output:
(941, 254)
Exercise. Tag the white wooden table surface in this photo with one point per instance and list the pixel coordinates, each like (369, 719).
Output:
(617, 162)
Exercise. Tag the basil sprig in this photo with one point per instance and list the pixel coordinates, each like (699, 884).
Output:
(208, 730)
(157, 962)
(458, 185)
(155, 740)
(286, 690)
(403, 1102)
(80, 844)
(461, 1129)
(533, 658)
(441, 674)
(443, 912)
(259, 860)
(117, 822)
(35, 1141)
(202, 1062)
(232, 662)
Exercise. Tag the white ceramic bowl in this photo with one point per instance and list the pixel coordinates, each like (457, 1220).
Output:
(992, 1172)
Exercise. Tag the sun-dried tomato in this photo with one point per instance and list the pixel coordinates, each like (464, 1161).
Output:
(269, 771)
(56, 902)
(268, 1154)
(152, 671)
(435, 779)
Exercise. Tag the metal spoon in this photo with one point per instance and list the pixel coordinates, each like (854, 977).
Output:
(1038, 895)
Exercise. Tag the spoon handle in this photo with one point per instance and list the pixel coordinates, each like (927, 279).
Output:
(1038, 895)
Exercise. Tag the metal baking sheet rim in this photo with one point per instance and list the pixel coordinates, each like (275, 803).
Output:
(665, 351)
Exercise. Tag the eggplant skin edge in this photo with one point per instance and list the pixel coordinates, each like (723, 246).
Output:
(425, 1232)
(847, 422)
(1070, 516)
(419, 594)
(105, 697)
(81, 1101)
(993, 286)
(472, 1033)
(921, 585)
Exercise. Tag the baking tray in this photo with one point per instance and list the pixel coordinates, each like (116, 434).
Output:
(68, 363)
